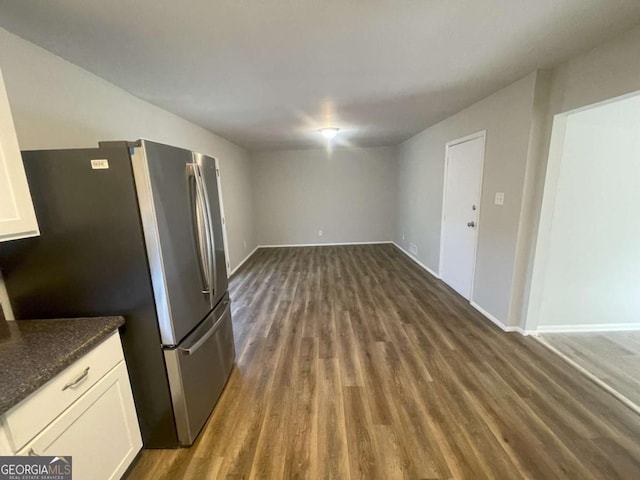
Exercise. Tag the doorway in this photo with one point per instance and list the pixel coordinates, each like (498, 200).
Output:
(584, 300)
(464, 162)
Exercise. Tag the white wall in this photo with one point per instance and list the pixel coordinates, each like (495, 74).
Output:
(58, 105)
(518, 119)
(592, 276)
(610, 70)
(348, 193)
(507, 117)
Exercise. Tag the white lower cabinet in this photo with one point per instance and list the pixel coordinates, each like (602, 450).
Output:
(100, 431)
(85, 412)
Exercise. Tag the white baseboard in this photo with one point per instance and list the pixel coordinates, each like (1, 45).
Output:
(415, 260)
(524, 332)
(322, 244)
(242, 262)
(633, 406)
(302, 245)
(494, 320)
(600, 327)
(501, 325)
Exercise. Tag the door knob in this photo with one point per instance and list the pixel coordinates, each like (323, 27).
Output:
(471, 224)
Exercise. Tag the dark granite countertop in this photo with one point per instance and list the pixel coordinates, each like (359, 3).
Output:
(32, 352)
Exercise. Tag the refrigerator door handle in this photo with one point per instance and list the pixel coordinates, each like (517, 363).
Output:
(193, 348)
(213, 270)
(197, 220)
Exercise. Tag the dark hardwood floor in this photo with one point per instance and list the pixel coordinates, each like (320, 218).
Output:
(354, 363)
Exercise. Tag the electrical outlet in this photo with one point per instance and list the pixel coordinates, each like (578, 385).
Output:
(499, 200)
(319, 233)
(413, 249)
(245, 244)
(403, 237)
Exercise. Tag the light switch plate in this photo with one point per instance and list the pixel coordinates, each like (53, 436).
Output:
(499, 198)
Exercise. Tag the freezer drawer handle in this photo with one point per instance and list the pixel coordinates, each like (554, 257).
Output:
(82, 376)
(193, 348)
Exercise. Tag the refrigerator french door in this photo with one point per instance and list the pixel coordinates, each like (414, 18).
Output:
(134, 229)
(179, 207)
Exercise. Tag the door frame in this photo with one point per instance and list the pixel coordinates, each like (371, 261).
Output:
(541, 248)
(483, 135)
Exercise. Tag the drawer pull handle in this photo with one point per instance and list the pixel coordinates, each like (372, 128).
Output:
(82, 376)
(32, 453)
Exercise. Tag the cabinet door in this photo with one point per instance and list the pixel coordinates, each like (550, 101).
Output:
(99, 431)
(17, 218)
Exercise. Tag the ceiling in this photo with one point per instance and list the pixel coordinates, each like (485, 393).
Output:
(267, 74)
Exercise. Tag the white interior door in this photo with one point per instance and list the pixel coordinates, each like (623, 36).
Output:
(463, 183)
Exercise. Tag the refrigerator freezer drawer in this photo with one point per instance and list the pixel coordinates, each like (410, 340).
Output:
(198, 369)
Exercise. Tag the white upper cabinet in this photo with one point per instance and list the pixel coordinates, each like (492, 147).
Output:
(17, 218)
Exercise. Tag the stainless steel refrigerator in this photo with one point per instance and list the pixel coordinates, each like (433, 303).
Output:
(134, 229)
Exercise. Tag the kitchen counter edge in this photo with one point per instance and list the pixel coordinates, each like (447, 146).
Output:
(32, 352)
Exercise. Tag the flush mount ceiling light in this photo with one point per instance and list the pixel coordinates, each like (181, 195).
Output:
(329, 132)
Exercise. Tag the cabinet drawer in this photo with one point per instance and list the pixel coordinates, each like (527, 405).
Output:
(100, 431)
(29, 417)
